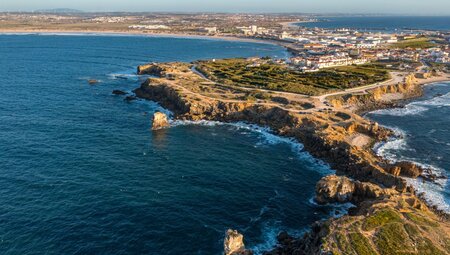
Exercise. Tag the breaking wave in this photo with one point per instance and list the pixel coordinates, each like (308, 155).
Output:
(415, 145)
(418, 107)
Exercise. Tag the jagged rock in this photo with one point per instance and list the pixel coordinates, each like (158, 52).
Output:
(407, 169)
(119, 92)
(324, 133)
(160, 121)
(341, 189)
(334, 188)
(150, 69)
(233, 244)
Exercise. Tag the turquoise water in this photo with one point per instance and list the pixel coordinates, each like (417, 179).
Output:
(81, 173)
(384, 23)
(423, 128)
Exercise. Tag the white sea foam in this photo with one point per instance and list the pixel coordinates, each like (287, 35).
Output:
(389, 148)
(270, 231)
(433, 192)
(418, 107)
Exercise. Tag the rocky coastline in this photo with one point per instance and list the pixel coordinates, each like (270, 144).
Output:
(385, 205)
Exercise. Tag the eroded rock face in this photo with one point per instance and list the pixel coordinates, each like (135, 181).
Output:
(150, 69)
(340, 189)
(233, 243)
(160, 121)
(407, 169)
(334, 188)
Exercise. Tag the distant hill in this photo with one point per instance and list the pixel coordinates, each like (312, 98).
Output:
(59, 10)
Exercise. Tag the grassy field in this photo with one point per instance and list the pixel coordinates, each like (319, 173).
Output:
(241, 72)
(418, 43)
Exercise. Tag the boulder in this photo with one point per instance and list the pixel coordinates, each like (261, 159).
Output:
(119, 92)
(160, 121)
(233, 243)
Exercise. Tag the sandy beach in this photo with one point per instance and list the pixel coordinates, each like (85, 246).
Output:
(140, 33)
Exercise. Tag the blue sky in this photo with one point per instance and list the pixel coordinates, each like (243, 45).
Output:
(423, 7)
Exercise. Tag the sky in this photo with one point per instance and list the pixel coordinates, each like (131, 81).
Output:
(416, 7)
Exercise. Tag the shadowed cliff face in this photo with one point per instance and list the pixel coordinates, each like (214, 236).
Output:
(344, 140)
(324, 134)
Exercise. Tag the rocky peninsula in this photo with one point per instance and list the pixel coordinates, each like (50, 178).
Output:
(389, 218)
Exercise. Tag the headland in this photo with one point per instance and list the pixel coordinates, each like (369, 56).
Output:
(389, 216)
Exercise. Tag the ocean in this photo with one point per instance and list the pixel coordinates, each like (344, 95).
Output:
(422, 128)
(383, 23)
(81, 172)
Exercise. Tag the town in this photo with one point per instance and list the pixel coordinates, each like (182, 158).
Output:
(311, 48)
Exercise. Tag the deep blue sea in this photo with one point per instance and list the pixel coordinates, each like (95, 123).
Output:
(81, 172)
(423, 129)
(383, 23)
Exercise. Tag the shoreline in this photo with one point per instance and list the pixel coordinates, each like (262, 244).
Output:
(140, 33)
(401, 104)
(340, 137)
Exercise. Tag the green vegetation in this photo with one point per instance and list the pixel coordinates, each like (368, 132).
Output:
(343, 244)
(361, 244)
(392, 239)
(271, 76)
(419, 220)
(417, 43)
(380, 218)
(393, 65)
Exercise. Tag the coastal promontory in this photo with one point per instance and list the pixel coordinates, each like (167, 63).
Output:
(388, 217)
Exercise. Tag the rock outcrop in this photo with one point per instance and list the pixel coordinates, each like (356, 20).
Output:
(150, 69)
(340, 189)
(398, 224)
(119, 92)
(386, 206)
(374, 98)
(160, 121)
(93, 81)
(233, 243)
(406, 169)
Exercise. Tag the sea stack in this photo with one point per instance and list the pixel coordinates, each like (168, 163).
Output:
(233, 244)
(160, 121)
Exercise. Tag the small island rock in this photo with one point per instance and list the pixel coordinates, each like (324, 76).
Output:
(160, 121)
(119, 92)
(233, 244)
(92, 81)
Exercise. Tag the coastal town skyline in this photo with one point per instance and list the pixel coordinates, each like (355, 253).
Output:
(402, 7)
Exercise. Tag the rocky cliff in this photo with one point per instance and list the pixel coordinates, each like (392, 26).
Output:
(378, 98)
(344, 140)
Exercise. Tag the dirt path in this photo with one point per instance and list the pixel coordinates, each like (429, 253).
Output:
(396, 77)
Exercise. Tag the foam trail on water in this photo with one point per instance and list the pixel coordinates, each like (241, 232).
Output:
(418, 107)
(433, 192)
(269, 138)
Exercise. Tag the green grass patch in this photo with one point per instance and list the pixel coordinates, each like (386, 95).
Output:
(278, 77)
(361, 244)
(392, 239)
(343, 244)
(380, 218)
(417, 43)
(414, 217)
